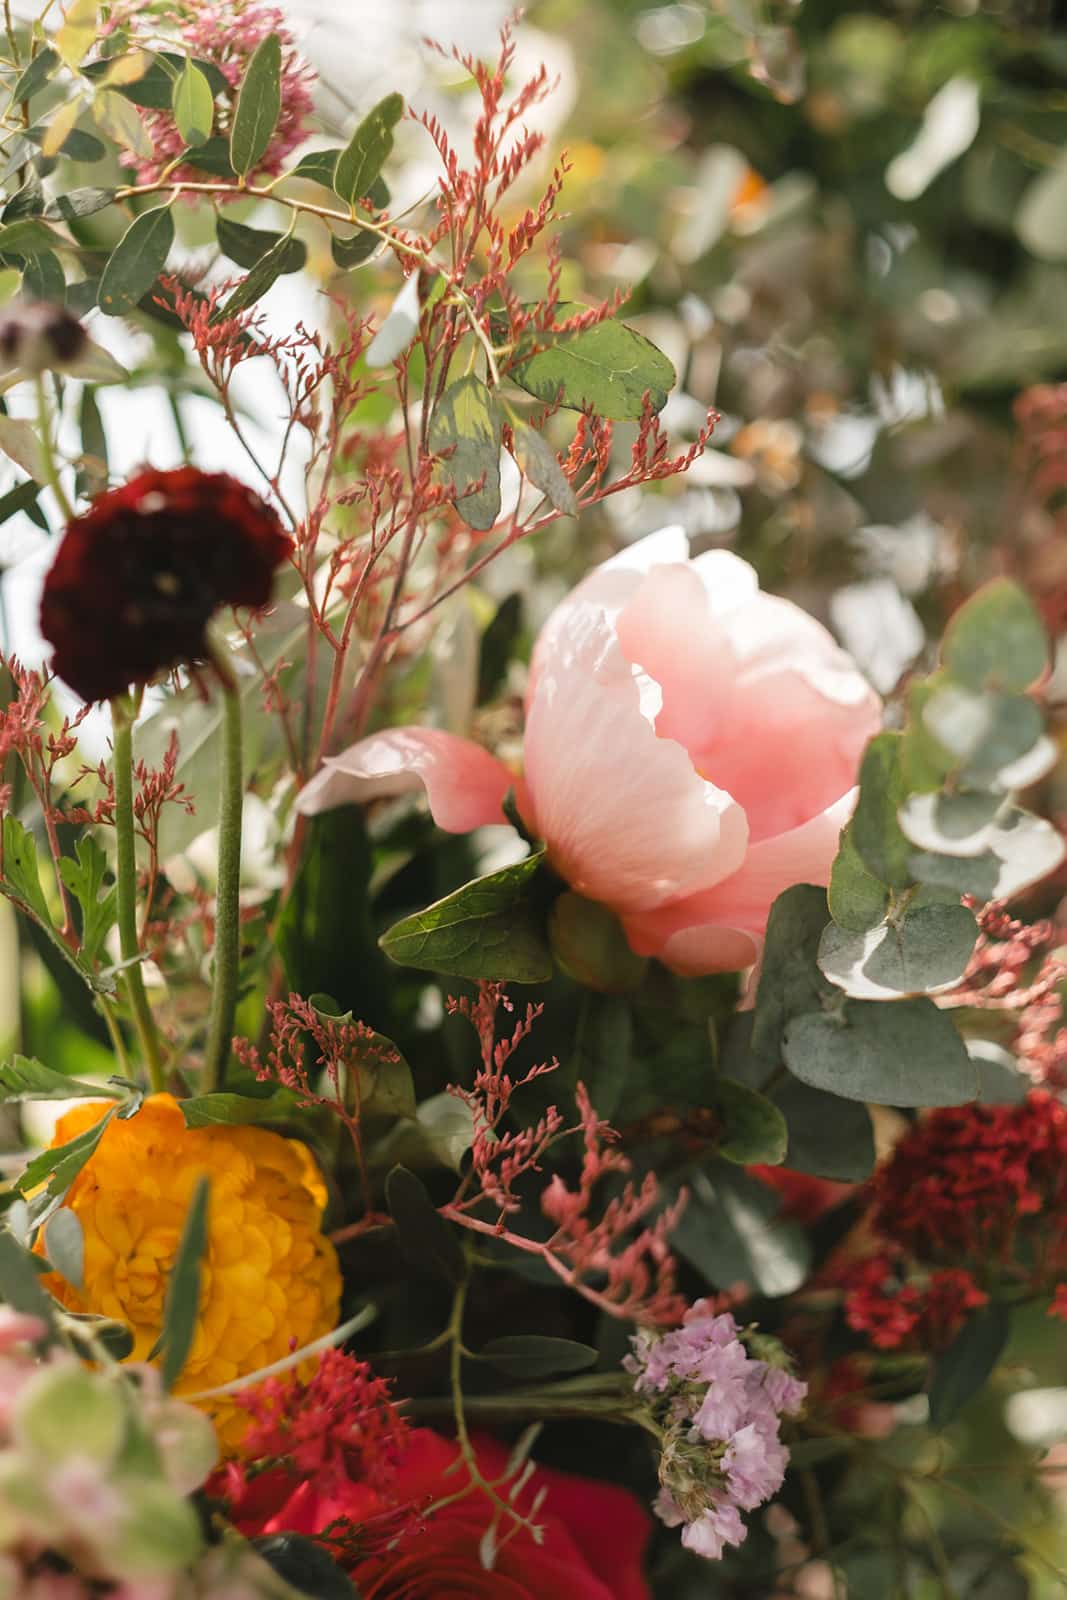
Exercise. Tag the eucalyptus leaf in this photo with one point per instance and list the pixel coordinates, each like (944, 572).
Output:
(64, 1245)
(34, 76)
(193, 105)
(874, 832)
(247, 246)
(541, 465)
(731, 1233)
(43, 278)
(77, 203)
(921, 952)
(287, 255)
(754, 1128)
(353, 252)
(857, 899)
(899, 1053)
(996, 640)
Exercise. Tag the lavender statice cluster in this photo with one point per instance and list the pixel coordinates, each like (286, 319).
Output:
(718, 1409)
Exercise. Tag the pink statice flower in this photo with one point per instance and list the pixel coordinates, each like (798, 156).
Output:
(226, 34)
(691, 750)
(719, 1409)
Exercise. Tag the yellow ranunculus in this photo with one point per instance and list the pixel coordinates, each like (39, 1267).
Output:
(269, 1278)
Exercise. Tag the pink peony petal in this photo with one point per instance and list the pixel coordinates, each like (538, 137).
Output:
(626, 818)
(464, 784)
(708, 932)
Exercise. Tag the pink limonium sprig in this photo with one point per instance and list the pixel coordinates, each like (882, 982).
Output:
(717, 1408)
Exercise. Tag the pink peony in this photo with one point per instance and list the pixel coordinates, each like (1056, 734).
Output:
(691, 749)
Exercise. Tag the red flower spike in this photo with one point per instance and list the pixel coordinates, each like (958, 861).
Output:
(137, 578)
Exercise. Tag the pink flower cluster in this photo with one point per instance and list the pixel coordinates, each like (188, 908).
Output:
(226, 34)
(720, 1409)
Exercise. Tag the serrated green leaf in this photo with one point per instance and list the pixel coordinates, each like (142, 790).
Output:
(606, 369)
(84, 877)
(535, 1355)
(486, 929)
(285, 256)
(24, 1078)
(136, 261)
(240, 1110)
(58, 1168)
(466, 425)
(427, 1240)
(182, 1303)
(193, 105)
(541, 465)
(961, 1370)
(996, 640)
(259, 105)
(362, 159)
(899, 1053)
(22, 877)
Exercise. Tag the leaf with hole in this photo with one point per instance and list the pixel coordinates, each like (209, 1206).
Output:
(136, 261)
(362, 159)
(259, 105)
(606, 369)
(466, 427)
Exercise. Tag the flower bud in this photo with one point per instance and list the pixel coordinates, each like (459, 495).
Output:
(36, 335)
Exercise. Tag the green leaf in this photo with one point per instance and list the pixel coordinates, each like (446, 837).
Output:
(876, 834)
(241, 1110)
(426, 1239)
(755, 1129)
(58, 1168)
(75, 143)
(961, 1371)
(285, 256)
(362, 159)
(828, 1136)
(94, 1331)
(182, 1305)
(730, 1231)
(23, 497)
(27, 201)
(996, 640)
(154, 89)
(486, 929)
(467, 425)
(925, 950)
(115, 116)
(193, 105)
(535, 1355)
(22, 877)
(903, 1053)
(23, 1078)
(541, 465)
(259, 105)
(64, 1245)
(303, 1564)
(18, 439)
(77, 203)
(588, 941)
(985, 733)
(857, 899)
(440, 1136)
(355, 251)
(213, 157)
(26, 237)
(20, 1282)
(44, 278)
(383, 1081)
(498, 645)
(84, 877)
(136, 261)
(35, 75)
(247, 246)
(606, 369)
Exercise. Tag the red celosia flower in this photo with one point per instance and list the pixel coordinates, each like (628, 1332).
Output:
(594, 1534)
(966, 1180)
(893, 1313)
(137, 578)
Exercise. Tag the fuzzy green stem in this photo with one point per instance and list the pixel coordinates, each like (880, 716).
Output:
(48, 454)
(228, 911)
(126, 892)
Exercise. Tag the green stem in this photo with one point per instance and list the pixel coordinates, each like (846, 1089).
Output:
(227, 914)
(126, 891)
(48, 454)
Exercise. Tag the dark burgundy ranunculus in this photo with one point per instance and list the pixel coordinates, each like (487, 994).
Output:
(136, 579)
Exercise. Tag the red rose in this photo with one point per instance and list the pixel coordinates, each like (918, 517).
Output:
(594, 1533)
(136, 579)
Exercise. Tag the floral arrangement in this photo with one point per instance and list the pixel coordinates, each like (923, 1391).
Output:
(550, 1080)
